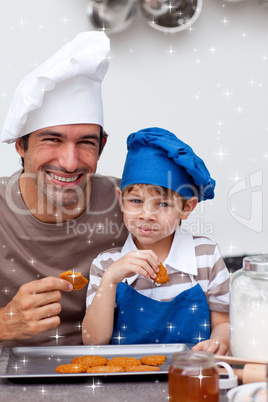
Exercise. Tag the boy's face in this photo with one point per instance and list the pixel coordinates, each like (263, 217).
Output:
(152, 217)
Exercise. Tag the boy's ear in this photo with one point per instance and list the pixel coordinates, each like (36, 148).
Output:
(189, 207)
(118, 194)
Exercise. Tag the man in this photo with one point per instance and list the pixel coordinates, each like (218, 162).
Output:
(56, 214)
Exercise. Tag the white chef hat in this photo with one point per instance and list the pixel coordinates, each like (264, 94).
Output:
(65, 89)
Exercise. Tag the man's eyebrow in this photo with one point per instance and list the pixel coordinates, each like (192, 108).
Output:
(48, 133)
(43, 134)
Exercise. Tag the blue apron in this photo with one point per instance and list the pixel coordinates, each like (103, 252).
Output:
(139, 319)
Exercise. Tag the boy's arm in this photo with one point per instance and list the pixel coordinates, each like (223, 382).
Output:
(219, 342)
(97, 327)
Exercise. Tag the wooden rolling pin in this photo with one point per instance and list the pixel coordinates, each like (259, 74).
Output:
(253, 371)
(238, 361)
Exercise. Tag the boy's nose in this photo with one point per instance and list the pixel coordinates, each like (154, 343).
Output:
(148, 212)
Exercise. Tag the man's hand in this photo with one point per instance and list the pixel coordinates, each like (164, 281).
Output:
(33, 310)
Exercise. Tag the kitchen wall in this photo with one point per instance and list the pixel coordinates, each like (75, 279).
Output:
(208, 85)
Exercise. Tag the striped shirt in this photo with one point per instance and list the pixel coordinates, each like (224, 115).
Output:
(191, 260)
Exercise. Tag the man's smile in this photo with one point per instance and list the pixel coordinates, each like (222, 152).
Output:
(64, 179)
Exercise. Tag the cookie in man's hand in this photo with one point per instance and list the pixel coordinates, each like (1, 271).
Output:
(75, 278)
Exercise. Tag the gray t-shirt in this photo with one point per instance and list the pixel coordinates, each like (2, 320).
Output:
(31, 249)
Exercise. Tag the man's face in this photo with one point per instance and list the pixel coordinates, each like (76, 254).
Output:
(60, 161)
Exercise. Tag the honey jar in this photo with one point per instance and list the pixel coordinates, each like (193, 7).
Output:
(193, 376)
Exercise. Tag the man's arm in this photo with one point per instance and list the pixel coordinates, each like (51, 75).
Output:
(33, 310)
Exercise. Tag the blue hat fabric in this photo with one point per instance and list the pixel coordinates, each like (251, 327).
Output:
(156, 156)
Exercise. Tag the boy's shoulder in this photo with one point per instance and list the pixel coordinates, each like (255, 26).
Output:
(203, 240)
(110, 253)
(204, 245)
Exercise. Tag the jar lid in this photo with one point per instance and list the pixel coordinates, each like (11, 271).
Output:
(231, 381)
(257, 263)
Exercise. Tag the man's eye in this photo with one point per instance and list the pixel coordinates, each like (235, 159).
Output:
(49, 139)
(89, 143)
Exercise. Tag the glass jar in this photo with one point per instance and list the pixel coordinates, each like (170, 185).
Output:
(193, 376)
(249, 309)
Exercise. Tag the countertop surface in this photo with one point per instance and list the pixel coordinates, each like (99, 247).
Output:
(93, 388)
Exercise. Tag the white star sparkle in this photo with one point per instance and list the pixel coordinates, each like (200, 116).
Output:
(236, 178)
(94, 386)
(65, 20)
(225, 21)
(231, 248)
(227, 94)
(57, 337)
(118, 338)
(171, 51)
(221, 154)
(11, 314)
(200, 376)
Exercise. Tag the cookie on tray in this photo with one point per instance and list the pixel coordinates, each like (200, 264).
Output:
(90, 361)
(70, 368)
(124, 361)
(143, 367)
(153, 360)
(105, 369)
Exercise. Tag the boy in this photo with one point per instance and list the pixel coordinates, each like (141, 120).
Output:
(163, 180)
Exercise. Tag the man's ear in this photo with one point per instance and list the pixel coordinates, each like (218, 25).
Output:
(19, 147)
(118, 194)
(189, 207)
(103, 142)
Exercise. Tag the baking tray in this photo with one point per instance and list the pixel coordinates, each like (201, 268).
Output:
(34, 362)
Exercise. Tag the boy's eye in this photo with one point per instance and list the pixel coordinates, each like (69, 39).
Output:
(164, 204)
(135, 201)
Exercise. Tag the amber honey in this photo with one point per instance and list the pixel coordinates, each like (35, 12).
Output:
(193, 377)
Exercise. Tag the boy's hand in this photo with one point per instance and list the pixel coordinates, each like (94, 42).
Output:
(142, 262)
(212, 346)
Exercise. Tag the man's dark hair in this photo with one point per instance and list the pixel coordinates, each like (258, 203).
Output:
(25, 138)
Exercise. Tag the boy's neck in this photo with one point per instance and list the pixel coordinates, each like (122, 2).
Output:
(160, 248)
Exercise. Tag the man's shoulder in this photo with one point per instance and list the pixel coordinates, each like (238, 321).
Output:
(101, 179)
(105, 184)
(7, 183)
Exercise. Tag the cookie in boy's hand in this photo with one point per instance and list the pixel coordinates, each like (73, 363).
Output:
(75, 278)
(162, 275)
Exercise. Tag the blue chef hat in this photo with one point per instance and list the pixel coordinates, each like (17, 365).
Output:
(156, 156)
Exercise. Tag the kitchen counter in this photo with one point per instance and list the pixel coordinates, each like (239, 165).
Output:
(93, 388)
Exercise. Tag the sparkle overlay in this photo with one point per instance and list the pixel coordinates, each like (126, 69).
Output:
(218, 91)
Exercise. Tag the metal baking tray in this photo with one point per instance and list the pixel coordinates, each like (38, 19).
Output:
(34, 362)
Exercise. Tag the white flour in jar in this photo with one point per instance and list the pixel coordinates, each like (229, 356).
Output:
(249, 318)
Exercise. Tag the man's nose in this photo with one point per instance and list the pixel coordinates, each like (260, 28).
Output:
(68, 157)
